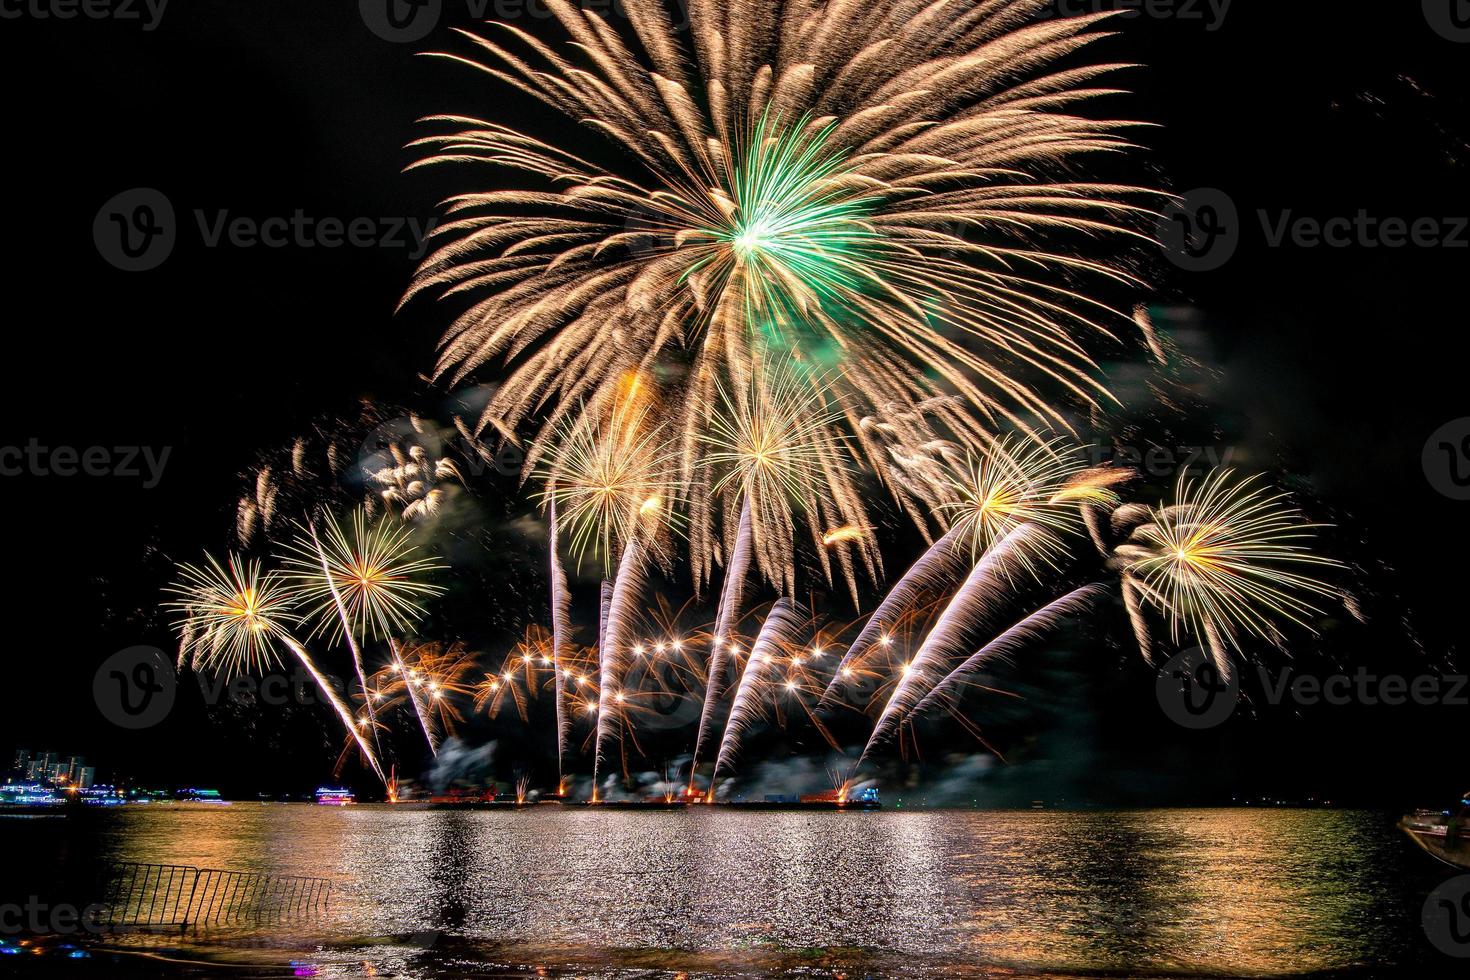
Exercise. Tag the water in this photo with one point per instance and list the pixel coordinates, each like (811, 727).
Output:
(714, 891)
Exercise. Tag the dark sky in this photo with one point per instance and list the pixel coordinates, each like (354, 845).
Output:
(1332, 364)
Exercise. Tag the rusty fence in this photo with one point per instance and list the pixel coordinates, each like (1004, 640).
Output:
(160, 896)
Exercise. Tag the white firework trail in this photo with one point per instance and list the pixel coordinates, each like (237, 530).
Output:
(989, 582)
(561, 638)
(781, 628)
(1008, 643)
(938, 569)
(731, 595)
(622, 615)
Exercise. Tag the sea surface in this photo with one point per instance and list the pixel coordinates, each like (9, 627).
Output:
(578, 891)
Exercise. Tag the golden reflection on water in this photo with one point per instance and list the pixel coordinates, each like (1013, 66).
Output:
(1189, 891)
(1260, 892)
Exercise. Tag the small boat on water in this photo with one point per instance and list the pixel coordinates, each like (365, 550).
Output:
(1444, 834)
(334, 796)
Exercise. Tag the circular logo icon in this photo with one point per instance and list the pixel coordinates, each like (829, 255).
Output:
(1192, 693)
(135, 231)
(1446, 459)
(1201, 230)
(1446, 917)
(401, 21)
(1449, 18)
(134, 688)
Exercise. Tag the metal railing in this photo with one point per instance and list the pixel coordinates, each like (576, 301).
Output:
(159, 896)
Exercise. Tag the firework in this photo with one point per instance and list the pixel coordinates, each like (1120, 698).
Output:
(985, 588)
(231, 616)
(609, 476)
(359, 584)
(777, 632)
(397, 667)
(723, 639)
(231, 620)
(411, 475)
(1223, 561)
(362, 581)
(1008, 643)
(1016, 482)
(942, 566)
(561, 630)
(432, 676)
(771, 448)
(870, 185)
(613, 649)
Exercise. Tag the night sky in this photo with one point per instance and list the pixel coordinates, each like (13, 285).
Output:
(1329, 367)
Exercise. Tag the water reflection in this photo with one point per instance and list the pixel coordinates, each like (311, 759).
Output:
(1173, 892)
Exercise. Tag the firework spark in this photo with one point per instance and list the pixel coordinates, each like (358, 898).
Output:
(871, 185)
(561, 638)
(777, 632)
(609, 477)
(230, 616)
(613, 650)
(1019, 481)
(987, 586)
(231, 619)
(363, 580)
(772, 448)
(1224, 560)
(1008, 643)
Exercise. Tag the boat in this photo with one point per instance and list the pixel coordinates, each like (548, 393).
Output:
(334, 796)
(1443, 834)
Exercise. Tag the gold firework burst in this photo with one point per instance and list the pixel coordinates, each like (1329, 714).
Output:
(611, 476)
(1224, 558)
(231, 616)
(368, 568)
(882, 187)
(1018, 481)
(772, 451)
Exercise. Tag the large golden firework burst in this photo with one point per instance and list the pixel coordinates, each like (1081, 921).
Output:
(880, 188)
(1224, 560)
